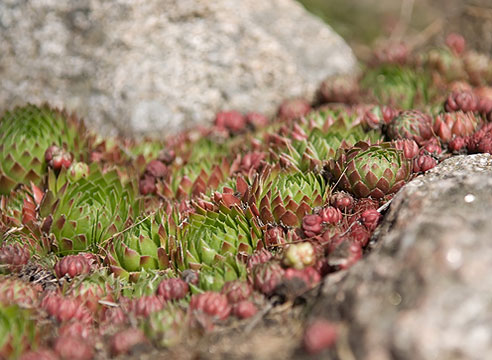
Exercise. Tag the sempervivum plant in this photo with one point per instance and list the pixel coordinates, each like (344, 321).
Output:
(313, 152)
(19, 207)
(213, 236)
(18, 331)
(449, 125)
(212, 304)
(65, 308)
(461, 100)
(92, 289)
(166, 327)
(279, 195)
(340, 89)
(172, 289)
(397, 86)
(410, 124)
(14, 291)
(214, 279)
(145, 245)
(25, 134)
(72, 265)
(266, 277)
(370, 170)
(237, 291)
(83, 214)
(13, 256)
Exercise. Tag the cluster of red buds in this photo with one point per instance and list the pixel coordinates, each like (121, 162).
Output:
(58, 158)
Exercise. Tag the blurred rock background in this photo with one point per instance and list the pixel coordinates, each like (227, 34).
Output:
(151, 67)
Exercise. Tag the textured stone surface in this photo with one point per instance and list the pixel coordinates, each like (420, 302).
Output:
(150, 65)
(425, 291)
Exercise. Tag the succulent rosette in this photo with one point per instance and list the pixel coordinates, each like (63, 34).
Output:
(18, 332)
(144, 246)
(14, 291)
(213, 236)
(448, 64)
(81, 215)
(281, 196)
(397, 86)
(214, 279)
(451, 124)
(410, 124)
(340, 89)
(167, 326)
(370, 170)
(25, 134)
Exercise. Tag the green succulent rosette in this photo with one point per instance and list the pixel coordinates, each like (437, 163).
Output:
(148, 245)
(213, 236)
(25, 134)
(18, 331)
(83, 214)
(312, 154)
(214, 279)
(370, 170)
(398, 86)
(167, 326)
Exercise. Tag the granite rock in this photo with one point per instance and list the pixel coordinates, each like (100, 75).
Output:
(150, 66)
(424, 291)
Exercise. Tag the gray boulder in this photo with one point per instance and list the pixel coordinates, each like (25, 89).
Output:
(425, 292)
(153, 66)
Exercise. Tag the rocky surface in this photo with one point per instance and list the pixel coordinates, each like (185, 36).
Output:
(424, 292)
(148, 66)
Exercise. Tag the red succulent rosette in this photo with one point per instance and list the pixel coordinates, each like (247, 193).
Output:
(312, 225)
(232, 121)
(71, 347)
(423, 163)
(340, 89)
(409, 147)
(14, 255)
(293, 109)
(267, 276)
(244, 309)
(65, 309)
(173, 289)
(236, 291)
(123, 341)
(145, 305)
(451, 124)
(212, 304)
(462, 100)
(72, 265)
(331, 215)
(410, 124)
(342, 201)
